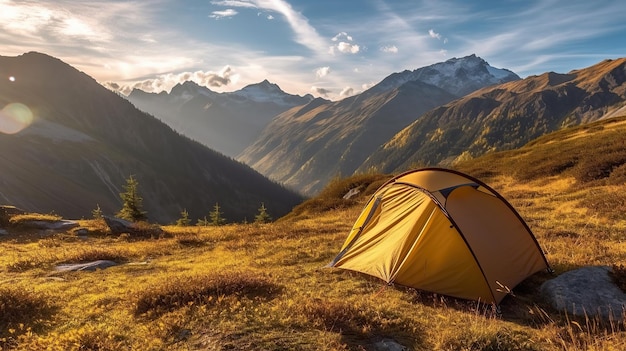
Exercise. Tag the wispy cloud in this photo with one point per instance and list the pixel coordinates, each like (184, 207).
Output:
(434, 34)
(346, 92)
(389, 48)
(304, 33)
(321, 91)
(223, 14)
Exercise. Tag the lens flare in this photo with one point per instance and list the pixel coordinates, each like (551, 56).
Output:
(14, 118)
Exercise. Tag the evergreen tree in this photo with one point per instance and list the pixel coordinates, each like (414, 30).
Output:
(97, 212)
(203, 222)
(131, 202)
(184, 220)
(262, 216)
(216, 216)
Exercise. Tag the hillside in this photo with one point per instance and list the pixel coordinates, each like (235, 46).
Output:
(307, 146)
(504, 117)
(262, 287)
(85, 141)
(225, 122)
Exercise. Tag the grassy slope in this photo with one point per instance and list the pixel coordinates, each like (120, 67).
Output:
(263, 287)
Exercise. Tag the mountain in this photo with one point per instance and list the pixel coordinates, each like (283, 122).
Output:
(459, 76)
(85, 141)
(505, 116)
(226, 122)
(307, 146)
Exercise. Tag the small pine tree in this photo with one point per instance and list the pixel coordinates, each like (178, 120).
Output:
(97, 212)
(184, 220)
(216, 216)
(203, 222)
(262, 216)
(131, 202)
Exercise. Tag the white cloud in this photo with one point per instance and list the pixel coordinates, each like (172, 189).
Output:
(270, 17)
(345, 48)
(347, 91)
(163, 82)
(223, 14)
(321, 91)
(389, 48)
(322, 72)
(235, 3)
(434, 34)
(342, 35)
(367, 85)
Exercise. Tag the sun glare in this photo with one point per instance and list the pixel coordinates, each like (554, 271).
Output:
(14, 118)
(12, 79)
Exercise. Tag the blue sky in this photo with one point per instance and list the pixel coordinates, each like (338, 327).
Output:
(331, 49)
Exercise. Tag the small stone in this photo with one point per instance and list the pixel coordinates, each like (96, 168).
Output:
(89, 266)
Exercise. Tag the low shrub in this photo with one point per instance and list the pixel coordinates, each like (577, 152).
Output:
(95, 254)
(331, 197)
(22, 218)
(22, 310)
(182, 291)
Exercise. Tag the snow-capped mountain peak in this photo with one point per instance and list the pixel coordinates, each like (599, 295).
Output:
(261, 92)
(458, 76)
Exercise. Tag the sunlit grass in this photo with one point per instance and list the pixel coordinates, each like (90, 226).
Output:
(265, 286)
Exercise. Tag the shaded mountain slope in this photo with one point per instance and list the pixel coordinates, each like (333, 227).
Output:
(307, 146)
(225, 122)
(86, 140)
(505, 117)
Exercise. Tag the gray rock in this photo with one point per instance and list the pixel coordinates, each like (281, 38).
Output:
(81, 231)
(120, 226)
(3, 232)
(56, 225)
(389, 345)
(586, 291)
(89, 266)
(351, 193)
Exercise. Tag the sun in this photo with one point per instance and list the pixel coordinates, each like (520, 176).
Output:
(14, 118)
(12, 78)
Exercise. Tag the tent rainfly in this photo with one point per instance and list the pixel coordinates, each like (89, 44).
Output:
(442, 231)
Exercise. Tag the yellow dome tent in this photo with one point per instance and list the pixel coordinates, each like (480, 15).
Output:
(442, 231)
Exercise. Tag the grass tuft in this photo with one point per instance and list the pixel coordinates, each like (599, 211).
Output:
(184, 291)
(23, 218)
(95, 254)
(22, 311)
(331, 197)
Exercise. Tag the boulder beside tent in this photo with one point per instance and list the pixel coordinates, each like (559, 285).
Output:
(442, 231)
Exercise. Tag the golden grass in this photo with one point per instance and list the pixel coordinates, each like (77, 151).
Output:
(264, 286)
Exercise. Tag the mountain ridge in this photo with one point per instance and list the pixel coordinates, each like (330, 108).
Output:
(304, 150)
(504, 117)
(225, 122)
(86, 140)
